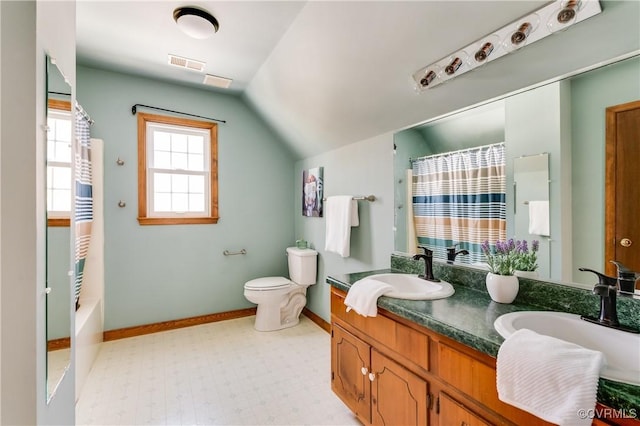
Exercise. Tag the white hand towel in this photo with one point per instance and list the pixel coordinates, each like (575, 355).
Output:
(341, 213)
(548, 377)
(363, 295)
(539, 218)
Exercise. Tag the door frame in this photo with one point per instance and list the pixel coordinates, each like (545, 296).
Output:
(610, 202)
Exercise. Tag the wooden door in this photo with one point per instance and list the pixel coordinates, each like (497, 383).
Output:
(622, 187)
(350, 369)
(398, 397)
(452, 413)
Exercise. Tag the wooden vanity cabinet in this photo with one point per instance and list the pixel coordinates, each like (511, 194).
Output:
(390, 371)
(455, 414)
(377, 389)
(350, 366)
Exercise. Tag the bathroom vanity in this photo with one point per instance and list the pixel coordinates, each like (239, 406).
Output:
(434, 362)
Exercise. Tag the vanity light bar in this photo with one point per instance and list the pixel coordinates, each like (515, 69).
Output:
(539, 24)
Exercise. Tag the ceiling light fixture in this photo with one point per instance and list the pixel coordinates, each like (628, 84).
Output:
(558, 15)
(196, 23)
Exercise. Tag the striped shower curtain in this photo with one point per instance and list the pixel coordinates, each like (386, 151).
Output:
(459, 198)
(83, 203)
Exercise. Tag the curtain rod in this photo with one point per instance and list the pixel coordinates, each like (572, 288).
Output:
(134, 110)
(84, 113)
(454, 152)
(59, 93)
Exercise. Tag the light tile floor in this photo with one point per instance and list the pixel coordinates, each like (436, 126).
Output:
(223, 373)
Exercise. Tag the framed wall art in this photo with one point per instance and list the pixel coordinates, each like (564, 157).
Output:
(312, 192)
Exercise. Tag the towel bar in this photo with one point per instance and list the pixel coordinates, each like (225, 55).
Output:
(233, 253)
(368, 198)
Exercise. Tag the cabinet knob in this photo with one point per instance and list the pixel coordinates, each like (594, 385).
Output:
(364, 371)
(372, 377)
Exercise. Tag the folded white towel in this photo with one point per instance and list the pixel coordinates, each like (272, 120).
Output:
(363, 295)
(548, 377)
(341, 213)
(539, 218)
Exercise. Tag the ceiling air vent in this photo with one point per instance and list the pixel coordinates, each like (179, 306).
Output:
(190, 64)
(213, 80)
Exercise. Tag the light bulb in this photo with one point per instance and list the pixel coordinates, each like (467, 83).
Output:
(518, 38)
(565, 16)
(484, 50)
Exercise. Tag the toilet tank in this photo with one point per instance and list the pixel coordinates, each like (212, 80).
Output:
(303, 264)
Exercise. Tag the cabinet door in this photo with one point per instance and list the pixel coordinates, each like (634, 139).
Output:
(350, 372)
(398, 397)
(453, 413)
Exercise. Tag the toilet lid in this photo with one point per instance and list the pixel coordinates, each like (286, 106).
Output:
(268, 283)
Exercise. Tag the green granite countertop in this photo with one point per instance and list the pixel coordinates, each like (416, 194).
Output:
(467, 317)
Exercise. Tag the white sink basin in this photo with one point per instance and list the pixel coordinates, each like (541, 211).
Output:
(621, 349)
(411, 287)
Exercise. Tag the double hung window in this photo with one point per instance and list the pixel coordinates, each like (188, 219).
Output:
(177, 171)
(59, 179)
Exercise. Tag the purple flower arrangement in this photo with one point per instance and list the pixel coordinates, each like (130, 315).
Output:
(509, 256)
(526, 260)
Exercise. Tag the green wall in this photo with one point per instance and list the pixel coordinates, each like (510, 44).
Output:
(534, 125)
(158, 273)
(590, 96)
(361, 168)
(407, 144)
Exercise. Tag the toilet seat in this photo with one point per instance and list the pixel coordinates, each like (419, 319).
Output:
(268, 283)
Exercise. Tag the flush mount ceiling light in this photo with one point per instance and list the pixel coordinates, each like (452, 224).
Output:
(196, 23)
(558, 15)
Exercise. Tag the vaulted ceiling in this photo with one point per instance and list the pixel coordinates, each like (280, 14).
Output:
(324, 74)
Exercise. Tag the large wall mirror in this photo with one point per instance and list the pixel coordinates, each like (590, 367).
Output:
(554, 136)
(58, 181)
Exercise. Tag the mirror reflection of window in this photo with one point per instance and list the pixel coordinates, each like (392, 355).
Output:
(59, 192)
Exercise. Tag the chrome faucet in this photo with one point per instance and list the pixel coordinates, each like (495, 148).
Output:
(607, 289)
(452, 253)
(428, 264)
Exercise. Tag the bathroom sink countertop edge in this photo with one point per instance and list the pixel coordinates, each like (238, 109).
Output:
(467, 317)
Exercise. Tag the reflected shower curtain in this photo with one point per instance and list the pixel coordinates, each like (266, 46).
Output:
(460, 198)
(83, 202)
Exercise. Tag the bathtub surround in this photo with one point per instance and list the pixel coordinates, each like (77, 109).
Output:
(162, 273)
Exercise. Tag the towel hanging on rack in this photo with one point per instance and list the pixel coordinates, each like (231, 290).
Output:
(539, 218)
(341, 214)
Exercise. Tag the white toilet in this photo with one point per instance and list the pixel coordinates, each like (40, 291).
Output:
(279, 299)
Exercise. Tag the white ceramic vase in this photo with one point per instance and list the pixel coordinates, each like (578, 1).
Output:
(502, 288)
(527, 274)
